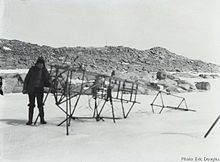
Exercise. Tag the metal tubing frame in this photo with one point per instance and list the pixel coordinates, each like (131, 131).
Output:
(71, 112)
(67, 104)
(129, 110)
(169, 107)
(62, 93)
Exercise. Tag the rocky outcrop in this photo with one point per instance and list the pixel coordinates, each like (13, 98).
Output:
(148, 82)
(17, 54)
(12, 83)
(129, 63)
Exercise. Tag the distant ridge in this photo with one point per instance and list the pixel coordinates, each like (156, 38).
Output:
(18, 54)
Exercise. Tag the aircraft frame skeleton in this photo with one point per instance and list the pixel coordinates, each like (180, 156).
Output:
(70, 83)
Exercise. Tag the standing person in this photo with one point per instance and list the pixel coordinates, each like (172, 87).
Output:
(1, 91)
(36, 79)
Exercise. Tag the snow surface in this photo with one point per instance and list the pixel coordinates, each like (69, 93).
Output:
(19, 71)
(142, 137)
(6, 48)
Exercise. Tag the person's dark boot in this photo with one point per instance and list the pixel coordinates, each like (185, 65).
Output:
(29, 123)
(30, 116)
(41, 111)
(43, 122)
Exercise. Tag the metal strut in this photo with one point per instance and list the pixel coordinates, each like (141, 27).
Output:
(212, 126)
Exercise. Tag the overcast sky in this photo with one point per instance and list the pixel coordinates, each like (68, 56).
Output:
(186, 27)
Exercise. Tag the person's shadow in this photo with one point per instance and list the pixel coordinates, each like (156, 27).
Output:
(14, 122)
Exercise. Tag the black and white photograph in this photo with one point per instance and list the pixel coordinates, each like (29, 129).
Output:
(109, 80)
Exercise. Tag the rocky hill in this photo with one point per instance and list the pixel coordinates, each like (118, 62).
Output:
(142, 66)
(18, 54)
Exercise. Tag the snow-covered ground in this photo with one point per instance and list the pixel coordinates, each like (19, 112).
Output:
(7, 71)
(172, 136)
